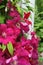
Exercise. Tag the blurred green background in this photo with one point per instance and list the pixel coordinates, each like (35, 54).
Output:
(39, 23)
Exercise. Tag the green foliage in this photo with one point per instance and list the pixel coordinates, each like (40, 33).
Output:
(40, 7)
(15, 1)
(40, 59)
(10, 48)
(21, 9)
(2, 6)
(2, 18)
(39, 25)
(40, 49)
(17, 4)
(3, 47)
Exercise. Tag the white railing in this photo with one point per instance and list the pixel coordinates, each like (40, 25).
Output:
(32, 4)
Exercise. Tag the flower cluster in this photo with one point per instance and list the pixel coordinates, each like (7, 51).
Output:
(15, 48)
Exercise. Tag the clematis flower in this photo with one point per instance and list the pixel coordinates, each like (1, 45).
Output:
(21, 52)
(34, 40)
(14, 13)
(24, 41)
(10, 23)
(17, 31)
(10, 60)
(26, 15)
(24, 50)
(24, 26)
(35, 54)
(28, 22)
(9, 4)
(6, 34)
(2, 61)
(16, 19)
(23, 61)
(18, 61)
(0, 1)
(25, 18)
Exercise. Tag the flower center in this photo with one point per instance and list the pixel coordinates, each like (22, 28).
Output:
(4, 34)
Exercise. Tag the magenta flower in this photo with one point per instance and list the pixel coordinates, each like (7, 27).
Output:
(2, 61)
(21, 52)
(35, 54)
(6, 34)
(24, 50)
(26, 15)
(10, 23)
(9, 4)
(0, 1)
(24, 41)
(34, 40)
(14, 13)
(17, 31)
(24, 26)
(23, 61)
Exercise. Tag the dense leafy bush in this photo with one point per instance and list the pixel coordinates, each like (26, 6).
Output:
(39, 24)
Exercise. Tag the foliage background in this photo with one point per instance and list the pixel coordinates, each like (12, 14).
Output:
(39, 24)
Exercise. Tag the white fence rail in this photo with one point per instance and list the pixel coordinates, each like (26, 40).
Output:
(32, 4)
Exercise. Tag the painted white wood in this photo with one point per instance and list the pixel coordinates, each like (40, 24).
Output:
(32, 4)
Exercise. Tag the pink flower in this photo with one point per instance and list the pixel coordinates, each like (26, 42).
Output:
(14, 13)
(16, 19)
(28, 22)
(21, 52)
(6, 34)
(9, 5)
(10, 23)
(35, 54)
(24, 51)
(23, 61)
(2, 61)
(10, 60)
(25, 18)
(24, 26)
(34, 40)
(0, 1)
(24, 41)
(17, 31)
(26, 15)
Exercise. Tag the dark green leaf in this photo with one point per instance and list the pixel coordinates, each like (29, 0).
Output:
(2, 6)
(2, 19)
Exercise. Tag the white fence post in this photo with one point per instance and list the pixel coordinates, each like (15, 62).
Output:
(32, 4)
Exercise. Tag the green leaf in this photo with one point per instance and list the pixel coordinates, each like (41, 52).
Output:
(40, 49)
(41, 45)
(41, 30)
(10, 48)
(0, 47)
(3, 47)
(19, 9)
(40, 59)
(2, 19)
(2, 6)
(29, 8)
(15, 1)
